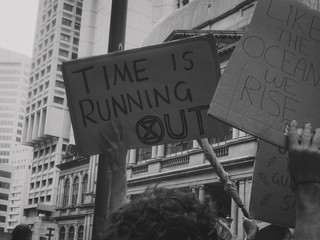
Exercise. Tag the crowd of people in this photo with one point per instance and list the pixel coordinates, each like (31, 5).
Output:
(175, 214)
(165, 214)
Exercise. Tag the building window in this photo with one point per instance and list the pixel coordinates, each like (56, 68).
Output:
(3, 207)
(74, 56)
(4, 196)
(76, 41)
(67, 7)
(4, 185)
(62, 234)
(75, 191)
(84, 188)
(5, 174)
(77, 26)
(80, 233)
(59, 84)
(143, 154)
(58, 100)
(78, 11)
(178, 148)
(66, 22)
(71, 233)
(66, 193)
(63, 53)
(65, 37)
(2, 219)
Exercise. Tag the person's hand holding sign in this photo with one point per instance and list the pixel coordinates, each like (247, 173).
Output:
(304, 170)
(113, 145)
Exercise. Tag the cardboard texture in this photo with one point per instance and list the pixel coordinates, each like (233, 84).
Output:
(160, 93)
(273, 76)
(272, 199)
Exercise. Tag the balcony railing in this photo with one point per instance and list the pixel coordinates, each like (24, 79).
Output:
(175, 162)
(229, 152)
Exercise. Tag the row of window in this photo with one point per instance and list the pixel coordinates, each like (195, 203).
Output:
(4, 185)
(4, 196)
(66, 38)
(41, 199)
(3, 207)
(5, 174)
(8, 100)
(70, 234)
(5, 153)
(145, 153)
(5, 130)
(45, 151)
(2, 219)
(9, 79)
(10, 71)
(42, 59)
(4, 160)
(8, 93)
(7, 115)
(40, 103)
(65, 53)
(171, 149)
(9, 86)
(44, 183)
(74, 191)
(5, 145)
(42, 167)
(33, 92)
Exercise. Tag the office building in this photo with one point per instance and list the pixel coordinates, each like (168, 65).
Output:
(47, 123)
(14, 80)
(20, 161)
(5, 182)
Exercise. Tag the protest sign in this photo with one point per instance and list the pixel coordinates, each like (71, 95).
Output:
(272, 199)
(273, 76)
(160, 93)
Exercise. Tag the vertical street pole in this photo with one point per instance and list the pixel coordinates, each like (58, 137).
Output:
(103, 200)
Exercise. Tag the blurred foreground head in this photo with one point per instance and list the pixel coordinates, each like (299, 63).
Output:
(166, 214)
(21, 232)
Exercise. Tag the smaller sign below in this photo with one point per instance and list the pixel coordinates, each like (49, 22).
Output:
(272, 198)
(160, 93)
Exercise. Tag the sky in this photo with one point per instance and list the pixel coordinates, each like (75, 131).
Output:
(17, 25)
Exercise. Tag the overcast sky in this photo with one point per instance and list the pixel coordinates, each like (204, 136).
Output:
(17, 25)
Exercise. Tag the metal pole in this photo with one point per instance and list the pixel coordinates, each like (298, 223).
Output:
(103, 200)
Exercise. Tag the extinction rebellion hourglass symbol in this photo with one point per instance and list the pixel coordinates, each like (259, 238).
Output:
(150, 130)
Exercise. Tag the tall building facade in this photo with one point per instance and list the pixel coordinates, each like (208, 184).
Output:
(47, 123)
(20, 161)
(5, 181)
(14, 81)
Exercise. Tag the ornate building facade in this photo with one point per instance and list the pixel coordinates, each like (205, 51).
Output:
(75, 203)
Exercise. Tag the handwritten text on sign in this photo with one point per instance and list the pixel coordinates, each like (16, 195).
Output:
(160, 93)
(272, 198)
(274, 72)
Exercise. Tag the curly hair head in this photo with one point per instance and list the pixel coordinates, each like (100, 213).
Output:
(163, 214)
(21, 232)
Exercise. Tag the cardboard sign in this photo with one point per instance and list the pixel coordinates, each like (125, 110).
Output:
(160, 93)
(272, 199)
(273, 76)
